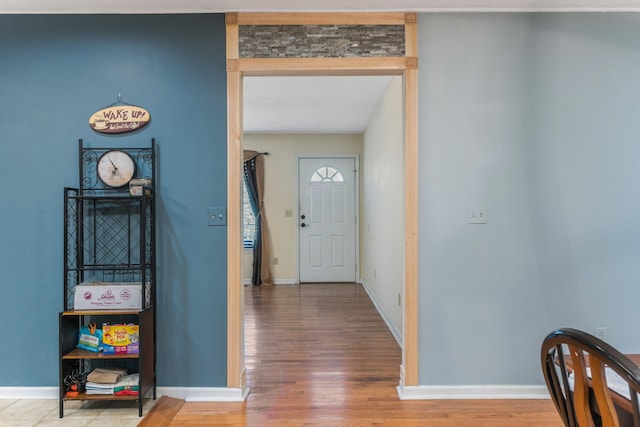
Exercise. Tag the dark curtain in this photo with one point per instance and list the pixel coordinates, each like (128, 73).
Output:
(254, 179)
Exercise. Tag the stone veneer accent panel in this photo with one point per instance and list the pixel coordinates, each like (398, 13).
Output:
(321, 41)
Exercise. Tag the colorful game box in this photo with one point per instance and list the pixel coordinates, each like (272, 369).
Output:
(120, 338)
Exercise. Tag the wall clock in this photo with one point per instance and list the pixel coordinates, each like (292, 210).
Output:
(116, 168)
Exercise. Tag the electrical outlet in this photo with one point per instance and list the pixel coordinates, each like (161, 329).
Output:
(602, 333)
(275, 260)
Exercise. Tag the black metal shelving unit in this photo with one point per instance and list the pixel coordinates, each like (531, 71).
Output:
(109, 236)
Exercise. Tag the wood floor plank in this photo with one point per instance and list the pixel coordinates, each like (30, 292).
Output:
(162, 412)
(320, 355)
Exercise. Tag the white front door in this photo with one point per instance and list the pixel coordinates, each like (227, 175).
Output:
(327, 219)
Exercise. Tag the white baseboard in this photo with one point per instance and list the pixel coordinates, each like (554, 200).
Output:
(472, 392)
(29, 393)
(276, 282)
(394, 331)
(190, 394)
(285, 282)
(222, 394)
(205, 394)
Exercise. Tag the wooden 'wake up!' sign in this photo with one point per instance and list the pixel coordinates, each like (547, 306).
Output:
(119, 119)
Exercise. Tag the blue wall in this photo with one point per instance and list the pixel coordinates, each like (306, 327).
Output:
(55, 71)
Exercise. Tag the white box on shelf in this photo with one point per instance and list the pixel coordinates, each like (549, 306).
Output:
(107, 296)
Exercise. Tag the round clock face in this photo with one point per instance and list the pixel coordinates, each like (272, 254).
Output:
(116, 168)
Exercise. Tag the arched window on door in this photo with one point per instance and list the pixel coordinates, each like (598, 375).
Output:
(327, 174)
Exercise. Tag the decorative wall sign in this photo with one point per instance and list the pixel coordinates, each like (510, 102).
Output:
(119, 118)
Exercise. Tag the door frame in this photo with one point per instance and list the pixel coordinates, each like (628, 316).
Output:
(406, 66)
(356, 160)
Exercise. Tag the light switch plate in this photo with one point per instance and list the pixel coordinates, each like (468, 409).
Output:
(217, 216)
(476, 214)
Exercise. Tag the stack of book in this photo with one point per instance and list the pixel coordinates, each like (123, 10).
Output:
(103, 380)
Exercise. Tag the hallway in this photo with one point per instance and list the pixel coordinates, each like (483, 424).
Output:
(325, 343)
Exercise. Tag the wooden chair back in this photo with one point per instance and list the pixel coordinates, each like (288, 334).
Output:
(579, 372)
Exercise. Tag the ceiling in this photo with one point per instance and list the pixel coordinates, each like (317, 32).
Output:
(330, 105)
(309, 104)
(213, 6)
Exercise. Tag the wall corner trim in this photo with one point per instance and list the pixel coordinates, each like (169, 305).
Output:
(411, 18)
(387, 320)
(472, 392)
(231, 18)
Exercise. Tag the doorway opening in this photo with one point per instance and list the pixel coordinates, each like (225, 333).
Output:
(237, 68)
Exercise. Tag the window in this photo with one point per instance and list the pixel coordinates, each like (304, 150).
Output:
(327, 174)
(248, 219)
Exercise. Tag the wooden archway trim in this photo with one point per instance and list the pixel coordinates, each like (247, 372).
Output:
(238, 67)
(319, 18)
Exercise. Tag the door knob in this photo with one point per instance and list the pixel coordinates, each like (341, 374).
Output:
(303, 225)
(302, 216)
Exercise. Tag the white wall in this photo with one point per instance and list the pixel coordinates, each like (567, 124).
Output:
(382, 207)
(281, 190)
(583, 162)
(482, 315)
(534, 116)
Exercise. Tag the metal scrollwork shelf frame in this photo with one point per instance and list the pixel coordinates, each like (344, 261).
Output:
(110, 232)
(88, 161)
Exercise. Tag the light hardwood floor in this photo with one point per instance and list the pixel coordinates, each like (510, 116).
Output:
(320, 355)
